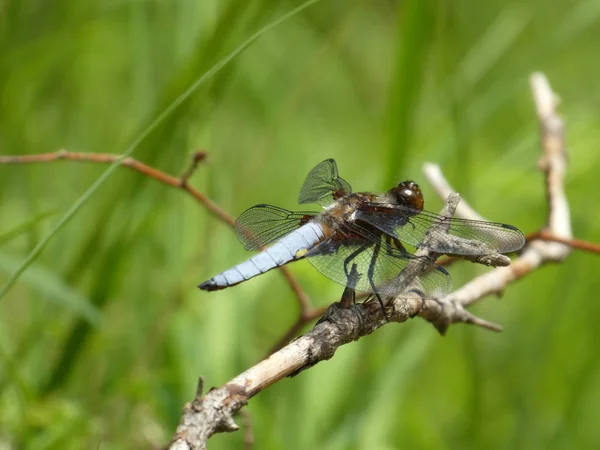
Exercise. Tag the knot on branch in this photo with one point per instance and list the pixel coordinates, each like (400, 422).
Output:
(345, 321)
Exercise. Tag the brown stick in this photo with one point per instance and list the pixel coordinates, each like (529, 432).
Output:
(106, 158)
(303, 319)
(248, 433)
(179, 183)
(546, 235)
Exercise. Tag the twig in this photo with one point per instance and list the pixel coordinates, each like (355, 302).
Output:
(424, 258)
(302, 320)
(197, 158)
(248, 434)
(536, 253)
(546, 235)
(179, 183)
(442, 187)
(340, 325)
(140, 167)
(213, 413)
(301, 296)
(437, 312)
(554, 159)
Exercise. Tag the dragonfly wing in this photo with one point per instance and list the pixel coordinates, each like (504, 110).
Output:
(463, 237)
(323, 185)
(370, 267)
(263, 224)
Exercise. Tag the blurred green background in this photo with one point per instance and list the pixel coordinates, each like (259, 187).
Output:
(103, 338)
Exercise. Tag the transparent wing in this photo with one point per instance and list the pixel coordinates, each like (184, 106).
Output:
(369, 267)
(464, 237)
(323, 185)
(263, 224)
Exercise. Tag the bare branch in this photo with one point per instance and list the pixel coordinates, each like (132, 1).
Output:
(302, 320)
(340, 325)
(579, 244)
(436, 178)
(536, 253)
(248, 433)
(107, 158)
(179, 183)
(553, 161)
(197, 157)
(443, 313)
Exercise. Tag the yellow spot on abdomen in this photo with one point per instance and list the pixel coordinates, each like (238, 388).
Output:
(300, 253)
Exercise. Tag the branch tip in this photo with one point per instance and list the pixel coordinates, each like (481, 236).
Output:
(476, 320)
(199, 388)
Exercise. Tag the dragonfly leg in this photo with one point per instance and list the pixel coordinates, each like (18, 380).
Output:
(349, 295)
(351, 257)
(399, 245)
(371, 273)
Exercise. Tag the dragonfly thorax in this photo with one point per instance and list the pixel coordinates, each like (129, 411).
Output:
(344, 210)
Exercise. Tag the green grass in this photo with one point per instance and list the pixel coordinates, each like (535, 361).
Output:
(103, 333)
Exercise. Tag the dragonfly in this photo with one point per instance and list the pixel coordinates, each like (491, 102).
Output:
(358, 239)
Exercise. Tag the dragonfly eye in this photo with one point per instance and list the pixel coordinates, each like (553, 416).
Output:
(408, 193)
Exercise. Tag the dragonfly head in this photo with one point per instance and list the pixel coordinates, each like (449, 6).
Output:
(408, 193)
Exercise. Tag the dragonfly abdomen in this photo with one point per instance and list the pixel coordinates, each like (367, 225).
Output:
(290, 248)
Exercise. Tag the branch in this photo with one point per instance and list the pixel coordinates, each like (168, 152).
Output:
(248, 434)
(140, 167)
(198, 157)
(425, 258)
(214, 412)
(546, 235)
(303, 319)
(179, 183)
(539, 252)
(442, 187)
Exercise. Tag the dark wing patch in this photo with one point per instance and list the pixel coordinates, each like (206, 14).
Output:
(464, 237)
(263, 224)
(323, 185)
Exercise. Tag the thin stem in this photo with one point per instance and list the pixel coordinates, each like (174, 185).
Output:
(170, 180)
(579, 244)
